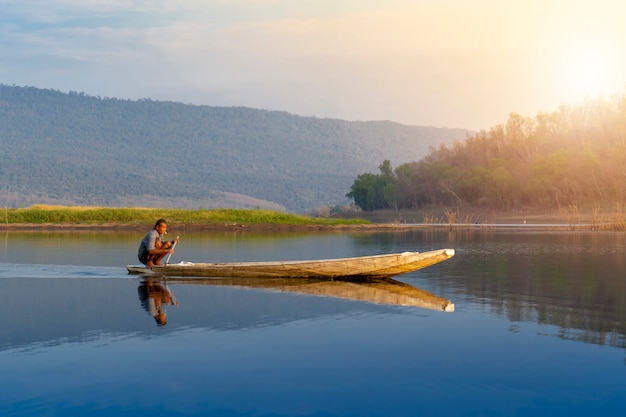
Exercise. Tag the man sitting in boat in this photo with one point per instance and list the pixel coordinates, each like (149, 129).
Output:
(152, 248)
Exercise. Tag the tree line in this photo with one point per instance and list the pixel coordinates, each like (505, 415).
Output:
(575, 155)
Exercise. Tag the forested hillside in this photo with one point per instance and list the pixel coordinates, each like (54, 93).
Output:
(78, 149)
(572, 157)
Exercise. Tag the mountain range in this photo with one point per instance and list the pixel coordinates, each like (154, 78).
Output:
(76, 149)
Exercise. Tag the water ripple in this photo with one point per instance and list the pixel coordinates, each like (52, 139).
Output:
(8, 270)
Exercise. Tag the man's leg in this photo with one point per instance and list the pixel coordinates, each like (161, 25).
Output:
(157, 258)
(150, 260)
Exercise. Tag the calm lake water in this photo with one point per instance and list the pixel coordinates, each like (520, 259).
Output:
(538, 329)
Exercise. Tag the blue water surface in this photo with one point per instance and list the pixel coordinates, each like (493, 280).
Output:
(530, 336)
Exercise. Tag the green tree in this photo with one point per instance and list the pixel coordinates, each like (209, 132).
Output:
(374, 192)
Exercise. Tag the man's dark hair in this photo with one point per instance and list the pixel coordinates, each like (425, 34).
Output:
(159, 222)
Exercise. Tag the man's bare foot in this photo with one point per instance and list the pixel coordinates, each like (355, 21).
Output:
(149, 264)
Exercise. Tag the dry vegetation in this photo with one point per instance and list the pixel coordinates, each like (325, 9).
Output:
(567, 165)
(572, 217)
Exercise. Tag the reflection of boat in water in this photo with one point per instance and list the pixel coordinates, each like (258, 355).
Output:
(364, 267)
(377, 290)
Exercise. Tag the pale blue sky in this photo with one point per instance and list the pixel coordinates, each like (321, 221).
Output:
(454, 63)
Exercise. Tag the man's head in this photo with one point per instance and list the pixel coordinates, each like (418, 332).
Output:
(161, 226)
(161, 319)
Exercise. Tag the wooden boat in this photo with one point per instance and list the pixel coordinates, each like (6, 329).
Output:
(365, 267)
(378, 291)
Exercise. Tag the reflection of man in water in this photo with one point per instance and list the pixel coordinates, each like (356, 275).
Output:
(154, 297)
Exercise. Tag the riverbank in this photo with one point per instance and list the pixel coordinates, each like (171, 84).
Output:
(101, 218)
(472, 215)
(61, 217)
(174, 226)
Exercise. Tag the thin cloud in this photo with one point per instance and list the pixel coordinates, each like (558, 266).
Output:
(450, 63)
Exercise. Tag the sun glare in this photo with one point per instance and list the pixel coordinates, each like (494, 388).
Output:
(589, 72)
(586, 74)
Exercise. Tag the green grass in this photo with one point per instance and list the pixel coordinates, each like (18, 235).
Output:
(40, 214)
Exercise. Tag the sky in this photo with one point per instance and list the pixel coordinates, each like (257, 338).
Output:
(444, 63)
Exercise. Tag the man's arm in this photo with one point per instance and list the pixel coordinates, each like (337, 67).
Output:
(160, 246)
(162, 249)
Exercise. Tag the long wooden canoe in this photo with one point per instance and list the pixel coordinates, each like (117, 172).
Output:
(378, 290)
(365, 267)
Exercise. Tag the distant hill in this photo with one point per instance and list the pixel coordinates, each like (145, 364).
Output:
(72, 148)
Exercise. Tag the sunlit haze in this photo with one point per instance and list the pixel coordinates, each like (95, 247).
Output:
(452, 63)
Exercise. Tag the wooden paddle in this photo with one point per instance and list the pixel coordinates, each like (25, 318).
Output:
(167, 261)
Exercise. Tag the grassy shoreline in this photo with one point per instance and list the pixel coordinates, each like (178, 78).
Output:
(43, 217)
(66, 217)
